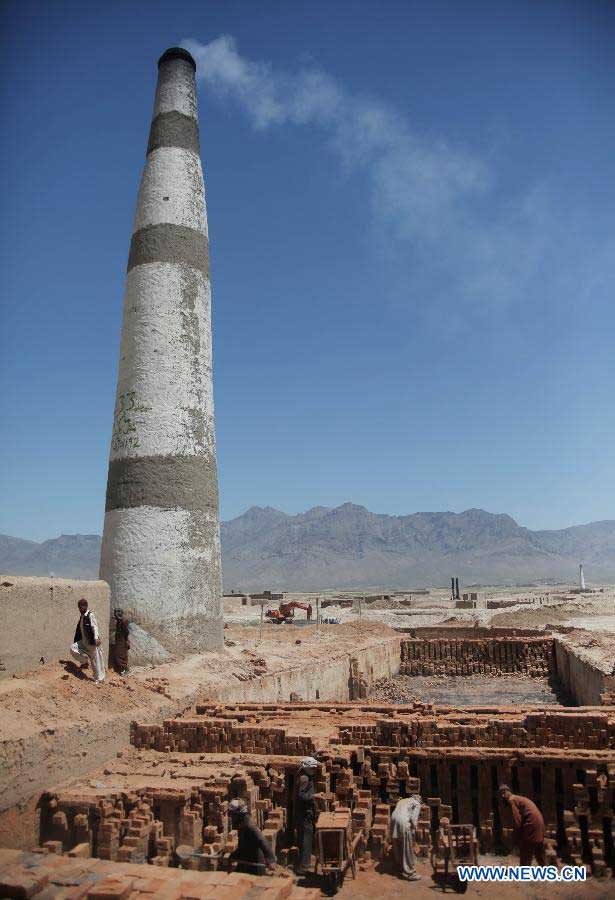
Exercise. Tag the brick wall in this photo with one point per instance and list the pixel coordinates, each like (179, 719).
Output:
(209, 735)
(582, 730)
(229, 731)
(466, 656)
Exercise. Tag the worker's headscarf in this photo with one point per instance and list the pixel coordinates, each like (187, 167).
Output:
(118, 613)
(308, 762)
(238, 807)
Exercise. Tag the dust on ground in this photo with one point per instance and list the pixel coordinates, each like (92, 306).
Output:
(470, 690)
(381, 880)
(61, 694)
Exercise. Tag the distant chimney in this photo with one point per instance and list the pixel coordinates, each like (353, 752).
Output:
(581, 578)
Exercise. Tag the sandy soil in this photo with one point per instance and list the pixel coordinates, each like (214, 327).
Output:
(60, 692)
(380, 880)
(469, 690)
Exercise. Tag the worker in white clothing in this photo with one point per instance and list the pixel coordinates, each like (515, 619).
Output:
(86, 648)
(404, 823)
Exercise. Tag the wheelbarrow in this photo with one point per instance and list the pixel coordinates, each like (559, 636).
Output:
(452, 846)
(335, 848)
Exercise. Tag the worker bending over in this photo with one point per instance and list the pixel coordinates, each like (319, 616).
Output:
(529, 826)
(253, 855)
(86, 646)
(404, 823)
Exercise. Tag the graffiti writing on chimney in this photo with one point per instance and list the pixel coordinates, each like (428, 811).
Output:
(126, 421)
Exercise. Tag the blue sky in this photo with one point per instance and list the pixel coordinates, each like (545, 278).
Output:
(412, 218)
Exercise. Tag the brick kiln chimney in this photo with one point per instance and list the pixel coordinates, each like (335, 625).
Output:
(161, 543)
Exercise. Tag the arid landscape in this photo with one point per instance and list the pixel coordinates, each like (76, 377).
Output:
(383, 230)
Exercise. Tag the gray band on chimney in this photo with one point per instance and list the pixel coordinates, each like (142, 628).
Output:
(174, 129)
(188, 482)
(169, 243)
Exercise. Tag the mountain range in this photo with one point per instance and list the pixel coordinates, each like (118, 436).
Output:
(349, 546)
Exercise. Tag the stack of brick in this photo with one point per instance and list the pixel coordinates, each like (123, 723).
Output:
(562, 759)
(465, 790)
(584, 801)
(574, 839)
(164, 852)
(274, 825)
(362, 818)
(109, 837)
(584, 730)
(467, 656)
(210, 735)
(380, 830)
(135, 846)
(422, 837)
(49, 876)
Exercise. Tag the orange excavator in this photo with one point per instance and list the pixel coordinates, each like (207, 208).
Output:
(286, 612)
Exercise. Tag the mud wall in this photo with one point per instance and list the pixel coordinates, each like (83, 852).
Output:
(589, 683)
(343, 677)
(39, 616)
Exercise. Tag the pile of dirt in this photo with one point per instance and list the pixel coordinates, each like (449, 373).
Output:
(552, 613)
(393, 690)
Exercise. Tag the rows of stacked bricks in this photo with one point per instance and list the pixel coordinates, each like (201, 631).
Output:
(574, 789)
(212, 735)
(468, 656)
(592, 730)
(579, 816)
(48, 875)
(164, 825)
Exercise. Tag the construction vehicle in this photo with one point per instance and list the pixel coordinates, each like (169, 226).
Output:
(286, 612)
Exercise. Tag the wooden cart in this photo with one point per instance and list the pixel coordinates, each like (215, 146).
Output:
(453, 845)
(335, 848)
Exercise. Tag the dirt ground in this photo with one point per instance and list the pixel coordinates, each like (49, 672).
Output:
(469, 690)
(380, 880)
(59, 692)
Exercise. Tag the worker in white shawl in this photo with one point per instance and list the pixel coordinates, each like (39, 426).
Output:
(404, 823)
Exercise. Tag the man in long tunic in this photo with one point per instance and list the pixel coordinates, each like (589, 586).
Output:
(122, 643)
(529, 826)
(404, 823)
(86, 647)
